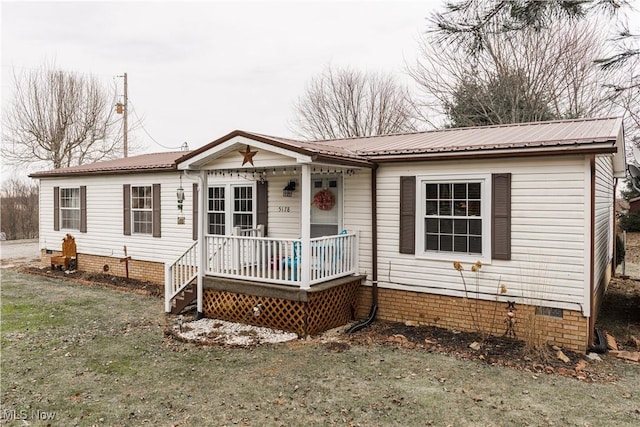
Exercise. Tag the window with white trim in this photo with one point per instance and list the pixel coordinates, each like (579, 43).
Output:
(243, 206)
(70, 208)
(455, 217)
(142, 209)
(216, 210)
(232, 205)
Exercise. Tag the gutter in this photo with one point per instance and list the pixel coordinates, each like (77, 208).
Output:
(494, 154)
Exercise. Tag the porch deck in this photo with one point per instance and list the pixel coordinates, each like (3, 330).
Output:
(303, 311)
(272, 261)
(269, 281)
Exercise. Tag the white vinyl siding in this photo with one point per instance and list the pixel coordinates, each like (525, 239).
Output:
(105, 221)
(547, 233)
(603, 219)
(357, 215)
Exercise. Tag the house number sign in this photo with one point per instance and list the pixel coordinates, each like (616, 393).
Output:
(286, 209)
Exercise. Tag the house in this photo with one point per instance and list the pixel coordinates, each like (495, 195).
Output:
(634, 205)
(382, 219)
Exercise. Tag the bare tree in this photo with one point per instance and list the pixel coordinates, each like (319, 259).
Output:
(19, 209)
(468, 23)
(346, 103)
(534, 75)
(61, 118)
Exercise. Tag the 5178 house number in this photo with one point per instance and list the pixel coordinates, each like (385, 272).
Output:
(284, 209)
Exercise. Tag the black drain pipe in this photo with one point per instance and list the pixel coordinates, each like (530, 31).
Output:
(374, 255)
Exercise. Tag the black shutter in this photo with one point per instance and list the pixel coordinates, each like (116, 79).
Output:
(501, 216)
(262, 201)
(194, 211)
(83, 208)
(156, 211)
(407, 214)
(126, 203)
(56, 208)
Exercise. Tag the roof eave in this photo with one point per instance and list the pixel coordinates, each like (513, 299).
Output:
(199, 157)
(608, 148)
(101, 172)
(343, 161)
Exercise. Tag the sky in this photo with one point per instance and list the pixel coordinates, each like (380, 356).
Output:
(198, 70)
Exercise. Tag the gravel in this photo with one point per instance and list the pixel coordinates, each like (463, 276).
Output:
(222, 332)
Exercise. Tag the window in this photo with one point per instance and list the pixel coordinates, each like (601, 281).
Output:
(460, 218)
(142, 209)
(70, 208)
(455, 219)
(243, 207)
(216, 210)
(231, 205)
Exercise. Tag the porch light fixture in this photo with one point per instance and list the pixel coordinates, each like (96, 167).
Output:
(289, 189)
(180, 195)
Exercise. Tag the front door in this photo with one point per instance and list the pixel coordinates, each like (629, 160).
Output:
(326, 205)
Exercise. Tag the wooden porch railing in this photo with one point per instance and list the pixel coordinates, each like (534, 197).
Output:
(279, 261)
(180, 274)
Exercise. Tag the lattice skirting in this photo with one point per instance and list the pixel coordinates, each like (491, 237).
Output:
(323, 310)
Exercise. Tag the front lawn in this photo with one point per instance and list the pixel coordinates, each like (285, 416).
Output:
(87, 355)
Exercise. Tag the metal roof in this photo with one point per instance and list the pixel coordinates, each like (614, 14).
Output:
(597, 135)
(154, 162)
(577, 133)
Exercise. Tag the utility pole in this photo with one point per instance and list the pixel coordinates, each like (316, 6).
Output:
(122, 109)
(124, 118)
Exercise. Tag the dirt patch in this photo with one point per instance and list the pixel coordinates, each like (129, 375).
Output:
(101, 279)
(495, 351)
(620, 313)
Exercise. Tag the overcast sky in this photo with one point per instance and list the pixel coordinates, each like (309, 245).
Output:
(199, 70)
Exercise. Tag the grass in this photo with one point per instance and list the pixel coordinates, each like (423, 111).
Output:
(102, 359)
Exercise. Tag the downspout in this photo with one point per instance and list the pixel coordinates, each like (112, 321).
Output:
(615, 229)
(374, 255)
(598, 345)
(592, 266)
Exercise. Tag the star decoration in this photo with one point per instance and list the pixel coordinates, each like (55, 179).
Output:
(248, 156)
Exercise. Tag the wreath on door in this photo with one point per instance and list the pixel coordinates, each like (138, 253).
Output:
(324, 200)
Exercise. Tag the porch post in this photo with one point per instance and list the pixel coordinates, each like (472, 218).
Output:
(202, 262)
(305, 227)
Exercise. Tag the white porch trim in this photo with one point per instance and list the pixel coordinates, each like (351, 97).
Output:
(305, 225)
(219, 150)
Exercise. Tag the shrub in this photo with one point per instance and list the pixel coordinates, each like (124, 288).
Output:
(620, 249)
(630, 222)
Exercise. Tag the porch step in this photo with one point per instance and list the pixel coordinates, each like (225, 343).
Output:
(183, 299)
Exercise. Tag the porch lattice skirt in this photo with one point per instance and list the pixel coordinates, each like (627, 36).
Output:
(323, 310)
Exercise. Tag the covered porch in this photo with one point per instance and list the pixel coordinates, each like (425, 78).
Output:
(275, 223)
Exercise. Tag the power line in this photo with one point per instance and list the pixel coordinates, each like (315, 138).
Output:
(135, 113)
(71, 71)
